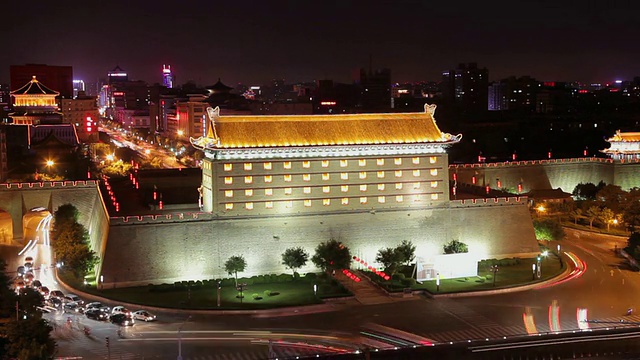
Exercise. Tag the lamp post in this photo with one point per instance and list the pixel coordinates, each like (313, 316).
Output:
(494, 269)
(180, 338)
(219, 290)
(559, 256)
(533, 269)
(438, 282)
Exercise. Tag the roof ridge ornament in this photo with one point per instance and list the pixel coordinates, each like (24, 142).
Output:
(430, 109)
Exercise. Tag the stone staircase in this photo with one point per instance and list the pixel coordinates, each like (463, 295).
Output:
(365, 291)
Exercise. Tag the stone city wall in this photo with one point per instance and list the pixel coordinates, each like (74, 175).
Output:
(144, 253)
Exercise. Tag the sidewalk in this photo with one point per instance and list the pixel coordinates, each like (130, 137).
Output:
(365, 292)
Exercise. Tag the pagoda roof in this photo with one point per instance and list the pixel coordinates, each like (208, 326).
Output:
(625, 137)
(34, 87)
(219, 86)
(321, 130)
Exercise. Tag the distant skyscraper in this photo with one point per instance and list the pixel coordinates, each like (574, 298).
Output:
(78, 85)
(117, 75)
(167, 76)
(467, 88)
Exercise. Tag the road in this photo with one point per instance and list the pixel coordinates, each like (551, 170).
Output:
(606, 290)
(144, 149)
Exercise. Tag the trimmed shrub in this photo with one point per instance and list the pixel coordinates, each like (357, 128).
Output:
(228, 282)
(285, 278)
(296, 276)
(408, 282)
(267, 293)
(398, 277)
(311, 276)
(256, 296)
(258, 279)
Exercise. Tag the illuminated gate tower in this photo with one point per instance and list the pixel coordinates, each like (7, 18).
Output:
(313, 164)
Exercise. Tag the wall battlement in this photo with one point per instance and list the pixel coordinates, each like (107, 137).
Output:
(49, 185)
(501, 201)
(160, 219)
(533, 162)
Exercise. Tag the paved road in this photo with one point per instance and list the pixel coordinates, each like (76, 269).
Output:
(605, 290)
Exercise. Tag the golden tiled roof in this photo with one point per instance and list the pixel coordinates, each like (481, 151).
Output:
(342, 129)
(625, 137)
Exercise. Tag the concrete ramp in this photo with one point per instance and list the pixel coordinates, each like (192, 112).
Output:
(365, 291)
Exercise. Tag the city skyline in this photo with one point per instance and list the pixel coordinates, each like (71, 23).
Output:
(308, 41)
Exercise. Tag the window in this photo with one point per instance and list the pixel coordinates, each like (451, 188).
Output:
(362, 162)
(398, 186)
(397, 161)
(268, 192)
(307, 190)
(399, 198)
(344, 176)
(363, 175)
(268, 205)
(380, 162)
(398, 173)
(433, 159)
(381, 187)
(381, 174)
(434, 184)
(249, 206)
(228, 180)
(248, 166)
(381, 199)
(326, 202)
(344, 188)
(363, 187)
(344, 163)
(306, 164)
(287, 164)
(287, 191)
(248, 179)
(268, 178)
(228, 167)
(325, 176)
(248, 192)
(287, 178)
(306, 177)
(416, 172)
(434, 196)
(363, 200)
(326, 189)
(228, 206)
(345, 201)
(434, 172)
(416, 185)
(228, 193)
(267, 166)
(325, 163)
(307, 203)
(416, 198)
(416, 160)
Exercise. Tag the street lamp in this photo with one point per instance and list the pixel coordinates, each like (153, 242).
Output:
(180, 338)
(494, 269)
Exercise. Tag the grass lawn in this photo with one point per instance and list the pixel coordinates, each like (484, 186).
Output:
(291, 293)
(507, 276)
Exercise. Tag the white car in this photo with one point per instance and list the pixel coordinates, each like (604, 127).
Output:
(69, 298)
(120, 310)
(144, 315)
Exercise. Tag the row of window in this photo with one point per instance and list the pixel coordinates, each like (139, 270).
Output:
(325, 163)
(326, 189)
(327, 202)
(248, 179)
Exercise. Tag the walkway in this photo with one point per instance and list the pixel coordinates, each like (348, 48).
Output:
(365, 292)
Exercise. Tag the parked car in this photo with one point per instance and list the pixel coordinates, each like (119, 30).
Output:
(120, 310)
(73, 298)
(96, 314)
(121, 319)
(144, 315)
(56, 294)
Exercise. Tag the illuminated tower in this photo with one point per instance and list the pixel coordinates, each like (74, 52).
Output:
(167, 76)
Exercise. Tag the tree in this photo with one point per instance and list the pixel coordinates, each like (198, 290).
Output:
(71, 241)
(295, 258)
(592, 214)
(631, 216)
(586, 191)
(235, 264)
(548, 229)
(407, 252)
(576, 214)
(332, 255)
(455, 247)
(633, 244)
(390, 258)
(611, 196)
(606, 216)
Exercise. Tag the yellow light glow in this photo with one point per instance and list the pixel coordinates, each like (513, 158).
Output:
(50, 163)
(541, 208)
(180, 132)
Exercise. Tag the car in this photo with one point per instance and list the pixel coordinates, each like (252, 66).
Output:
(21, 270)
(121, 319)
(19, 284)
(29, 277)
(28, 266)
(144, 315)
(54, 302)
(95, 314)
(36, 284)
(120, 310)
(28, 259)
(44, 291)
(97, 305)
(56, 294)
(73, 298)
(72, 307)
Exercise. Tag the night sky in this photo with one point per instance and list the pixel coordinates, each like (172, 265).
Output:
(254, 41)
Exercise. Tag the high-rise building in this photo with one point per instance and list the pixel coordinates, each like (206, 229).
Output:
(59, 78)
(78, 85)
(82, 112)
(117, 75)
(375, 89)
(466, 87)
(167, 76)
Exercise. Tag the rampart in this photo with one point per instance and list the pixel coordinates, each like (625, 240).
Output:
(548, 174)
